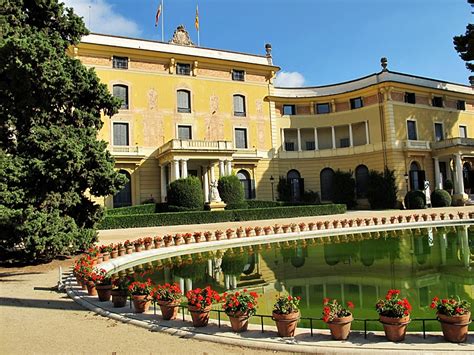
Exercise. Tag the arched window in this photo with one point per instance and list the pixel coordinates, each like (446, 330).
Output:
(362, 180)
(296, 185)
(239, 105)
(184, 101)
(417, 177)
(121, 92)
(246, 182)
(124, 197)
(327, 184)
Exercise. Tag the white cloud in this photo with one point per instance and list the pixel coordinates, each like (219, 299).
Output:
(103, 18)
(289, 79)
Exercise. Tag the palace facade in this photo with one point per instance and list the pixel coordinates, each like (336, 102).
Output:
(188, 110)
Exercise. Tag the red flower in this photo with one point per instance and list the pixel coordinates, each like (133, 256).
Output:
(350, 304)
(325, 300)
(444, 300)
(433, 305)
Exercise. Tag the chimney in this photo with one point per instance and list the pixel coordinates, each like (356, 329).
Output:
(268, 50)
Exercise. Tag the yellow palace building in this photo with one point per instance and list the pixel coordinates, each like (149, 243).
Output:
(188, 110)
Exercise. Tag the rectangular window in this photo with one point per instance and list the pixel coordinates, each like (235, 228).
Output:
(238, 75)
(410, 98)
(439, 136)
(461, 105)
(120, 62)
(463, 131)
(289, 146)
(121, 92)
(184, 132)
(289, 110)
(183, 69)
(344, 142)
(437, 101)
(356, 103)
(411, 127)
(323, 108)
(241, 138)
(120, 133)
(239, 106)
(310, 145)
(184, 101)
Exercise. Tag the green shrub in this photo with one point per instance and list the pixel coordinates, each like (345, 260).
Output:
(186, 193)
(284, 189)
(448, 185)
(139, 209)
(440, 198)
(233, 263)
(345, 188)
(231, 192)
(382, 190)
(415, 199)
(200, 217)
(263, 204)
(310, 196)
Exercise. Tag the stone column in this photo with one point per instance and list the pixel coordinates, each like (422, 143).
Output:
(210, 268)
(459, 178)
(283, 140)
(174, 170)
(181, 283)
(464, 245)
(226, 282)
(212, 177)
(189, 284)
(228, 167)
(206, 183)
(163, 183)
(367, 140)
(299, 139)
(333, 132)
(443, 244)
(184, 168)
(351, 138)
(438, 183)
(316, 147)
(221, 168)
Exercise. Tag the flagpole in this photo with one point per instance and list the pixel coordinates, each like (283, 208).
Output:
(162, 22)
(197, 24)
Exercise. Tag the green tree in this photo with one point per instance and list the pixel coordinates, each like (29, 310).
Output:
(382, 190)
(464, 44)
(231, 192)
(50, 108)
(186, 194)
(345, 188)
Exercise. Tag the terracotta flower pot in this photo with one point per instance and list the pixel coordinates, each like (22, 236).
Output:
(340, 327)
(106, 256)
(119, 298)
(104, 292)
(286, 323)
(239, 321)
(138, 248)
(157, 244)
(455, 328)
(114, 253)
(122, 252)
(200, 316)
(395, 328)
(147, 246)
(99, 259)
(141, 303)
(130, 249)
(91, 289)
(169, 309)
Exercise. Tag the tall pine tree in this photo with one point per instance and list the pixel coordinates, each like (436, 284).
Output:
(464, 44)
(50, 113)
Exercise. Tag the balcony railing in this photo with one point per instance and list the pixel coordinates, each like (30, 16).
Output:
(198, 145)
(125, 150)
(453, 142)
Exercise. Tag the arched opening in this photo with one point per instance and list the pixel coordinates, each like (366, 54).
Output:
(327, 184)
(296, 185)
(362, 181)
(246, 182)
(124, 197)
(417, 177)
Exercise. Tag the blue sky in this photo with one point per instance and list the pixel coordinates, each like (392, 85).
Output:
(315, 42)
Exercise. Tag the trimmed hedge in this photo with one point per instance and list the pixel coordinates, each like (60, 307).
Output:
(440, 198)
(186, 193)
(231, 192)
(415, 200)
(138, 209)
(263, 204)
(201, 217)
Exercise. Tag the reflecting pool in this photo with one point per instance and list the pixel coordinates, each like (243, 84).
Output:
(422, 263)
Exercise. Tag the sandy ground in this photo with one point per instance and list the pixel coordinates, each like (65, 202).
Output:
(36, 319)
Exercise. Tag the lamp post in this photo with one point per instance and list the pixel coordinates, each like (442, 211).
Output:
(406, 180)
(272, 181)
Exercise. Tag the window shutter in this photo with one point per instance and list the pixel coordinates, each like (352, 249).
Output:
(183, 100)
(239, 105)
(121, 134)
(301, 188)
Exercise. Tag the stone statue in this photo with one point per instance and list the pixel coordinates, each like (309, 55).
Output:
(181, 37)
(214, 193)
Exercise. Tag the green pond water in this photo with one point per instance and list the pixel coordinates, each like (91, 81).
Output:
(422, 263)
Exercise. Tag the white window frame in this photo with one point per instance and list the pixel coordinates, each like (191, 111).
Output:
(190, 100)
(465, 129)
(129, 133)
(434, 130)
(129, 86)
(184, 125)
(245, 113)
(246, 137)
(416, 128)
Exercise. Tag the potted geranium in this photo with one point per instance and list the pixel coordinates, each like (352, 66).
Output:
(229, 232)
(120, 291)
(121, 249)
(140, 292)
(276, 228)
(177, 238)
(267, 230)
(302, 226)
(258, 230)
(311, 226)
(286, 314)
(218, 233)
(138, 245)
(338, 318)
(157, 241)
(199, 304)
(293, 227)
(248, 231)
(103, 284)
(240, 306)
(105, 251)
(207, 236)
(128, 247)
(187, 238)
(394, 314)
(168, 297)
(148, 241)
(454, 315)
(197, 237)
(167, 240)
